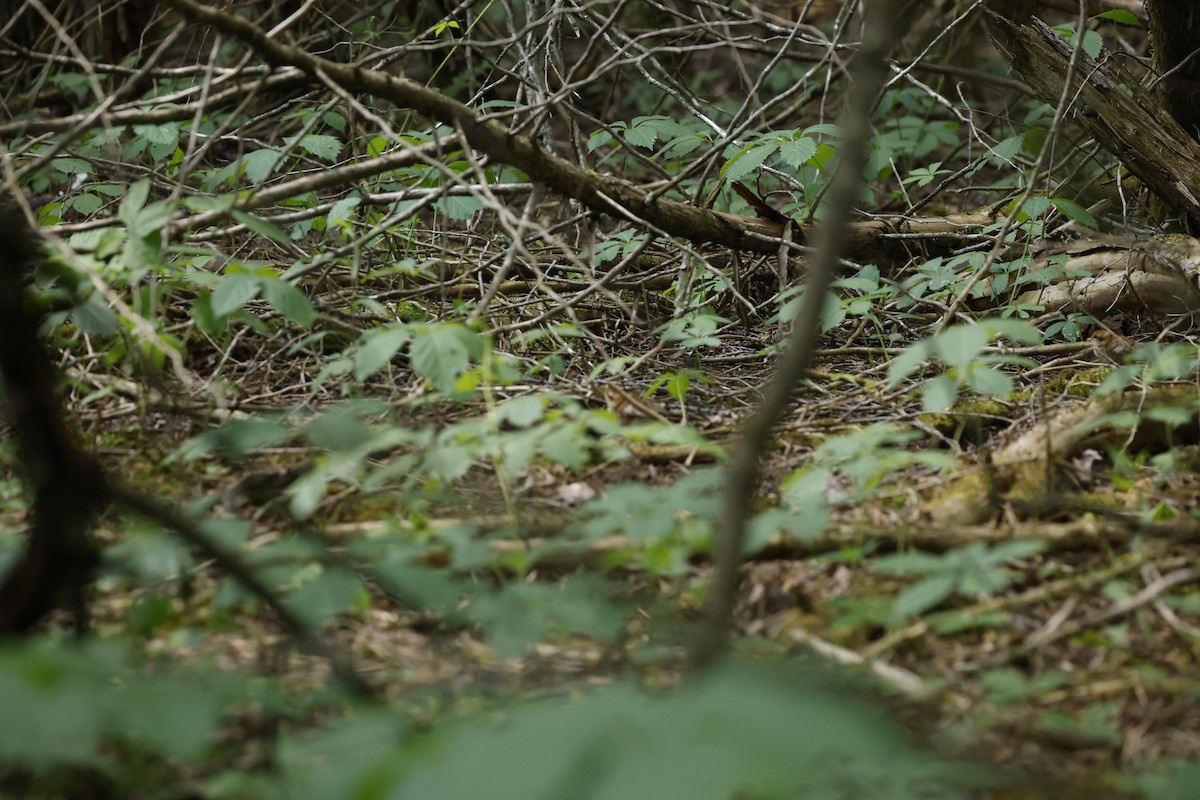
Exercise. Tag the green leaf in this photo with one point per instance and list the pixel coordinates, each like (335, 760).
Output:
(342, 214)
(598, 139)
(742, 731)
(568, 445)
(208, 322)
(149, 554)
(86, 203)
(1033, 208)
(258, 164)
(461, 208)
(135, 198)
(939, 394)
(959, 345)
(521, 613)
(522, 411)
(1075, 212)
(1016, 329)
(321, 146)
(307, 492)
(71, 166)
(1121, 17)
(923, 596)
(913, 563)
(289, 301)
(262, 227)
(377, 347)
(989, 381)
(239, 437)
(167, 134)
(645, 131)
(443, 352)
(171, 717)
(94, 317)
(797, 152)
(749, 159)
(805, 526)
(338, 429)
(332, 592)
(1004, 151)
(233, 292)
(907, 362)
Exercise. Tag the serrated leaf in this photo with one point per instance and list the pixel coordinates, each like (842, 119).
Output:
(796, 152)
(522, 411)
(748, 160)
(959, 345)
(94, 317)
(461, 208)
(71, 166)
(597, 140)
(907, 362)
(167, 134)
(321, 145)
(342, 213)
(238, 437)
(805, 526)
(641, 136)
(337, 430)
(205, 319)
(1018, 330)
(331, 593)
(86, 203)
(307, 492)
(377, 347)
(443, 352)
(135, 198)
(1033, 208)
(569, 446)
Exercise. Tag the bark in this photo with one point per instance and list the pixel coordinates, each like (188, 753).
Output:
(1110, 104)
(1159, 275)
(1174, 27)
(67, 489)
(600, 193)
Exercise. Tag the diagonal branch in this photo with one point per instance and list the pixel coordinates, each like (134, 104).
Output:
(593, 190)
(1122, 116)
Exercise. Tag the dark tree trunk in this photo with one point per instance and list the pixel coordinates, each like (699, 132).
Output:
(1175, 32)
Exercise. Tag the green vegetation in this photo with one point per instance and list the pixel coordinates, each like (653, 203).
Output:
(416, 396)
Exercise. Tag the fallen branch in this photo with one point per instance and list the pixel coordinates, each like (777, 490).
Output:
(598, 192)
(1112, 106)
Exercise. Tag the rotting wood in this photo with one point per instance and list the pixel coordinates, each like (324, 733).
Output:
(1034, 464)
(1159, 274)
(1110, 104)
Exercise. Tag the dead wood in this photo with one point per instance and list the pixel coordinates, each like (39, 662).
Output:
(602, 194)
(1110, 104)
(1035, 467)
(1159, 274)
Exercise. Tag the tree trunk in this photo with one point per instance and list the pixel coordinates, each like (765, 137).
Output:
(1175, 27)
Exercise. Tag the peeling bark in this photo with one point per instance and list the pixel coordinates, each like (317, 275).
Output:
(1111, 105)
